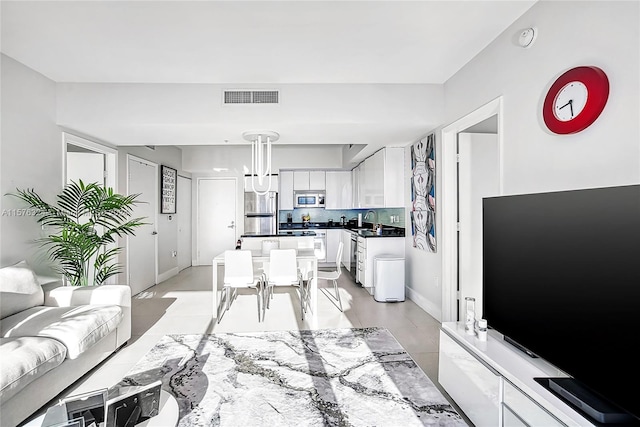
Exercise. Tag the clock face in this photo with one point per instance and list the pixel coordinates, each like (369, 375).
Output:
(570, 101)
(575, 100)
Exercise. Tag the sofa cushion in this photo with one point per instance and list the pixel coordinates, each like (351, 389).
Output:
(19, 289)
(78, 328)
(24, 360)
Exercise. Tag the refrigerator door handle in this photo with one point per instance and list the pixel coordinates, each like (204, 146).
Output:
(233, 225)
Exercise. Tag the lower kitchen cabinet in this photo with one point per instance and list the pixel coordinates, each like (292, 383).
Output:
(333, 240)
(371, 247)
(345, 238)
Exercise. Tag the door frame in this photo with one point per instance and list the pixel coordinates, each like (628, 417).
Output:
(190, 219)
(449, 201)
(195, 229)
(155, 209)
(110, 158)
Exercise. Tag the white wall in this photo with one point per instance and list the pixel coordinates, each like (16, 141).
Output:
(30, 155)
(605, 34)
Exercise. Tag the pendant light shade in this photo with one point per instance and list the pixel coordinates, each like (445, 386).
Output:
(261, 158)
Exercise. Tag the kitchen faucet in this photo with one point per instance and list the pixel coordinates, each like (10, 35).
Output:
(375, 217)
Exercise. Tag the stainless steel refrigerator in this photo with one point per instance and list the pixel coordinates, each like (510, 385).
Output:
(260, 213)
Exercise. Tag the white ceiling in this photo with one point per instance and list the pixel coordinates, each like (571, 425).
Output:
(251, 43)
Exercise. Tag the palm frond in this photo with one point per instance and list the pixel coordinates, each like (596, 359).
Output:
(76, 246)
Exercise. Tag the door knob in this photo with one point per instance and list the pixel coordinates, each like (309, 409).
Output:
(154, 233)
(232, 225)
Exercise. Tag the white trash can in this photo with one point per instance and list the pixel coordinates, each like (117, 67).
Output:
(388, 278)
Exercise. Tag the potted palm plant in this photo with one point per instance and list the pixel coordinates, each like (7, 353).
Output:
(86, 219)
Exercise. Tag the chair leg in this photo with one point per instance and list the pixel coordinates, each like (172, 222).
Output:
(222, 303)
(335, 288)
(258, 296)
(302, 297)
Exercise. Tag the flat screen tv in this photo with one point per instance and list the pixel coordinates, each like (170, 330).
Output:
(561, 278)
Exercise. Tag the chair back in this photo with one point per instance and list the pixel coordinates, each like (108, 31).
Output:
(283, 266)
(238, 267)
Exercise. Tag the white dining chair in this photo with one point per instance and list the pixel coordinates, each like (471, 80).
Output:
(239, 273)
(333, 276)
(283, 271)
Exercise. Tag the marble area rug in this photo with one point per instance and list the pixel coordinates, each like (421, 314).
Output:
(331, 377)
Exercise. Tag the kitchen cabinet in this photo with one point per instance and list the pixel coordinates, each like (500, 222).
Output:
(285, 196)
(345, 237)
(338, 190)
(378, 182)
(309, 180)
(368, 249)
(333, 241)
(355, 187)
(362, 261)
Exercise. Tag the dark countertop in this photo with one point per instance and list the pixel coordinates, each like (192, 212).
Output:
(366, 231)
(284, 233)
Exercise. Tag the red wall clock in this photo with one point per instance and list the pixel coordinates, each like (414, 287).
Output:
(575, 100)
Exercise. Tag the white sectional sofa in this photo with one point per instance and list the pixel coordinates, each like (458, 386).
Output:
(51, 335)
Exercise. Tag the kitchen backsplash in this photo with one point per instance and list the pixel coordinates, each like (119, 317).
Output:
(384, 215)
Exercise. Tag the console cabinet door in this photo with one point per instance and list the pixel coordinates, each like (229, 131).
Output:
(470, 383)
(518, 404)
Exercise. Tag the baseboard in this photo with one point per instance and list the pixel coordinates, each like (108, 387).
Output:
(168, 274)
(424, 303)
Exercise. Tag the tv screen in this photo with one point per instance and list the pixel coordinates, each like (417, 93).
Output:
(561, 277)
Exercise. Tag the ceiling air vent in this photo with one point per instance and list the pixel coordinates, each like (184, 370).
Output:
(251, 96)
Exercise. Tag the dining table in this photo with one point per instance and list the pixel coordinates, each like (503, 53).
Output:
(307, 263)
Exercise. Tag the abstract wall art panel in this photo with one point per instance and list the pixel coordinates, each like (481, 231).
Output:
(423, 193)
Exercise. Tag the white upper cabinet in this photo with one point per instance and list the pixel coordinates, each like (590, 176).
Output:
(317, 180)
(309, 180)
(285, 196)
(394, 188)
(301, 180)
(355, 186)
(374, 186)
(378, 181)
(338, 191)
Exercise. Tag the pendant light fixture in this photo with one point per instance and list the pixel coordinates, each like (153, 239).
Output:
(261, 158)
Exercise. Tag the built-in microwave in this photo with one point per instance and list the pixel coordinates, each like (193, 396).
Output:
(308, 199)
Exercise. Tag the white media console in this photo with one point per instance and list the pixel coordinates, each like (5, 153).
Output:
(493, 382)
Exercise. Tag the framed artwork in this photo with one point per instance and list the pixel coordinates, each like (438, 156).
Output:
(423, 193)
(168, 183)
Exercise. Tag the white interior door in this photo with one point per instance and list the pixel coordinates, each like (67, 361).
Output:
(479, 176)
(142, 248)
(184, 222)
(216, 223)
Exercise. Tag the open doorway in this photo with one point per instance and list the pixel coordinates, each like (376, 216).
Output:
(88, 161)
(463, 189)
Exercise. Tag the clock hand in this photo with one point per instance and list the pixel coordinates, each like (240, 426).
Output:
(571, 106)
(568, 103)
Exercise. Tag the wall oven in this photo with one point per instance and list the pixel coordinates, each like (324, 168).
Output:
(308, 199)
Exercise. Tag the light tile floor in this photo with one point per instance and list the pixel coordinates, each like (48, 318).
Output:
(183, 305)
